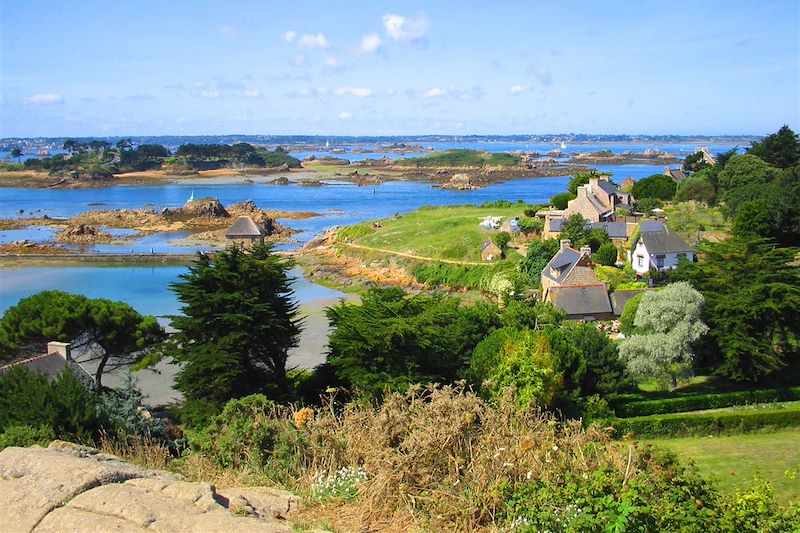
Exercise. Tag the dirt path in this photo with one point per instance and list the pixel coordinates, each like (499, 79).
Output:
(418, 257)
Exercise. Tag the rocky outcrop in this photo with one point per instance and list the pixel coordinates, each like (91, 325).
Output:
(83, 234)
(206, 207)
(460, 182)
(67, 487)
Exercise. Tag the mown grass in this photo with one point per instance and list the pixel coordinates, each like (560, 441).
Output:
(735, 460)
(462, 158)
(451, 232)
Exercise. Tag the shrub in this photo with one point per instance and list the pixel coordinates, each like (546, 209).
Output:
(607, 254)
(24, 436)
(629, 314)
(656, 186)
(699, 402)
(680, 425)
(560, 201)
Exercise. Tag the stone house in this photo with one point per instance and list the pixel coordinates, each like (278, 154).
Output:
(598, 200)
(570, 283)
(677, 174)
(490, 251)
(50, 364)
(245, 232)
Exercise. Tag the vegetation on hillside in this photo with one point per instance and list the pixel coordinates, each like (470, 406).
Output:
(462, 158)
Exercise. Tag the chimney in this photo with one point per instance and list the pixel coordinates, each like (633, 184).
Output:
(62, 348)
(565, 243)
(593, 181)
(586, 250)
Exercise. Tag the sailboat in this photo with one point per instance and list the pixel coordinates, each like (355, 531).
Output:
(191, 197)
(563, 145)
(327, 144)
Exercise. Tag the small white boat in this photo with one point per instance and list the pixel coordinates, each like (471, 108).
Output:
(563, 145)
(191, 197)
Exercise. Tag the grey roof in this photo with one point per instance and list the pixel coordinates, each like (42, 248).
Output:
(651, 225)
(563, 261)
(488, 243)
(49, 364)
(676, 174)
(615, 230)
(581, 300)
(620, 298)
(555, 224)
(607, 187)
(245, 227)
(664, 242)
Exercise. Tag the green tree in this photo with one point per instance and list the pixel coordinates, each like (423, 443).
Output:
(667, 324)
(238, 322)
(755, 217)
(560, 201)
(502, 239)
(16, 152)
(391, 339)
(539, 254)
(575, 229)
(580, 179)
(752, 298)
(626, 319)
(695, 162)
(655, 186)
(607, 254)
(696, 187)
(531, 226)
(781, 149)
(107, 333)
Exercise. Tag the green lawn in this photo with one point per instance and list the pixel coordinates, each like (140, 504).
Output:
(451, 232)
(694, 221)
(735, 460)
(462, 158)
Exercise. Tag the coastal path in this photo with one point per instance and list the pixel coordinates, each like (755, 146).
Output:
(418, 257)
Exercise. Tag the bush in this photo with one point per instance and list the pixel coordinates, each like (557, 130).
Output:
(606, 255)
(560, 201)
(24, 436)
(655, 186)
(629, 314)
(699, 402)
(684, 425)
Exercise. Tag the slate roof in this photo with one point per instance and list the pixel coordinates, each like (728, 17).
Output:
(489, 242)
(563, 261)
(607, 187)
(49, 364)
(615, 230)
(244, 227)
(651, 225)
(664, 242)
(675, 173)
(620, 298)
(582, 300)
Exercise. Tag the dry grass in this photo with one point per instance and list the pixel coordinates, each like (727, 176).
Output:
(146, 453)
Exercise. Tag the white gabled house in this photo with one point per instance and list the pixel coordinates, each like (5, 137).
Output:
(658, 248)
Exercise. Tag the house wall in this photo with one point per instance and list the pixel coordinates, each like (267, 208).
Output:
(582, 205)
(650, 262)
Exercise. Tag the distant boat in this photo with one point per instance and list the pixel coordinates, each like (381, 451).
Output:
(563, 145)
(327, 144)
(191, 197)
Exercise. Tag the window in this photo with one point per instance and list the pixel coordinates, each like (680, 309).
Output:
(660, 261)
(639, 261)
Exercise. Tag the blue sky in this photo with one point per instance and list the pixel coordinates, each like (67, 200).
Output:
(383, 68)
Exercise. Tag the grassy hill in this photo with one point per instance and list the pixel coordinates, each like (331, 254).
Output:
(451, 232)
(462, 158)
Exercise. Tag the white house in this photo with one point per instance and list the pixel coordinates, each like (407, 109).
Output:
(658, 250)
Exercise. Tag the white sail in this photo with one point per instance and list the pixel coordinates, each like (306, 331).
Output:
(563, 145)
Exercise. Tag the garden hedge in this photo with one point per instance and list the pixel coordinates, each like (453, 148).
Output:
(699, 402)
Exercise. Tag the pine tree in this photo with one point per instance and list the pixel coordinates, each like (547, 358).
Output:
(239, 321)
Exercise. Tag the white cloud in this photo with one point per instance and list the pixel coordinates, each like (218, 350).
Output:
(543, 73)
(434, 92)
(317, 91)
(369, 43)
(357, 92)
(228, 31)
(252, 93)
(519, 89)
(44, 99)
(313, 40)
(405, 29)
(209, 93)
(344, 115)
(289, 36)
(332, 63)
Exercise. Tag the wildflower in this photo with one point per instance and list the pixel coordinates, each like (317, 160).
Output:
(302, 417)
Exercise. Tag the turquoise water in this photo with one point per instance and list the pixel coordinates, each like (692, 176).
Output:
(145, 288)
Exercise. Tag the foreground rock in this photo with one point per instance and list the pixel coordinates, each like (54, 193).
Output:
(67, 487)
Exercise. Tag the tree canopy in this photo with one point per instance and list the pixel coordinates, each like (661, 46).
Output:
(238, 322)
(752, 305)
(781, 149)
(391, 339)
(655, 186)
(540, 252)
(111, 333)
(667, 324)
